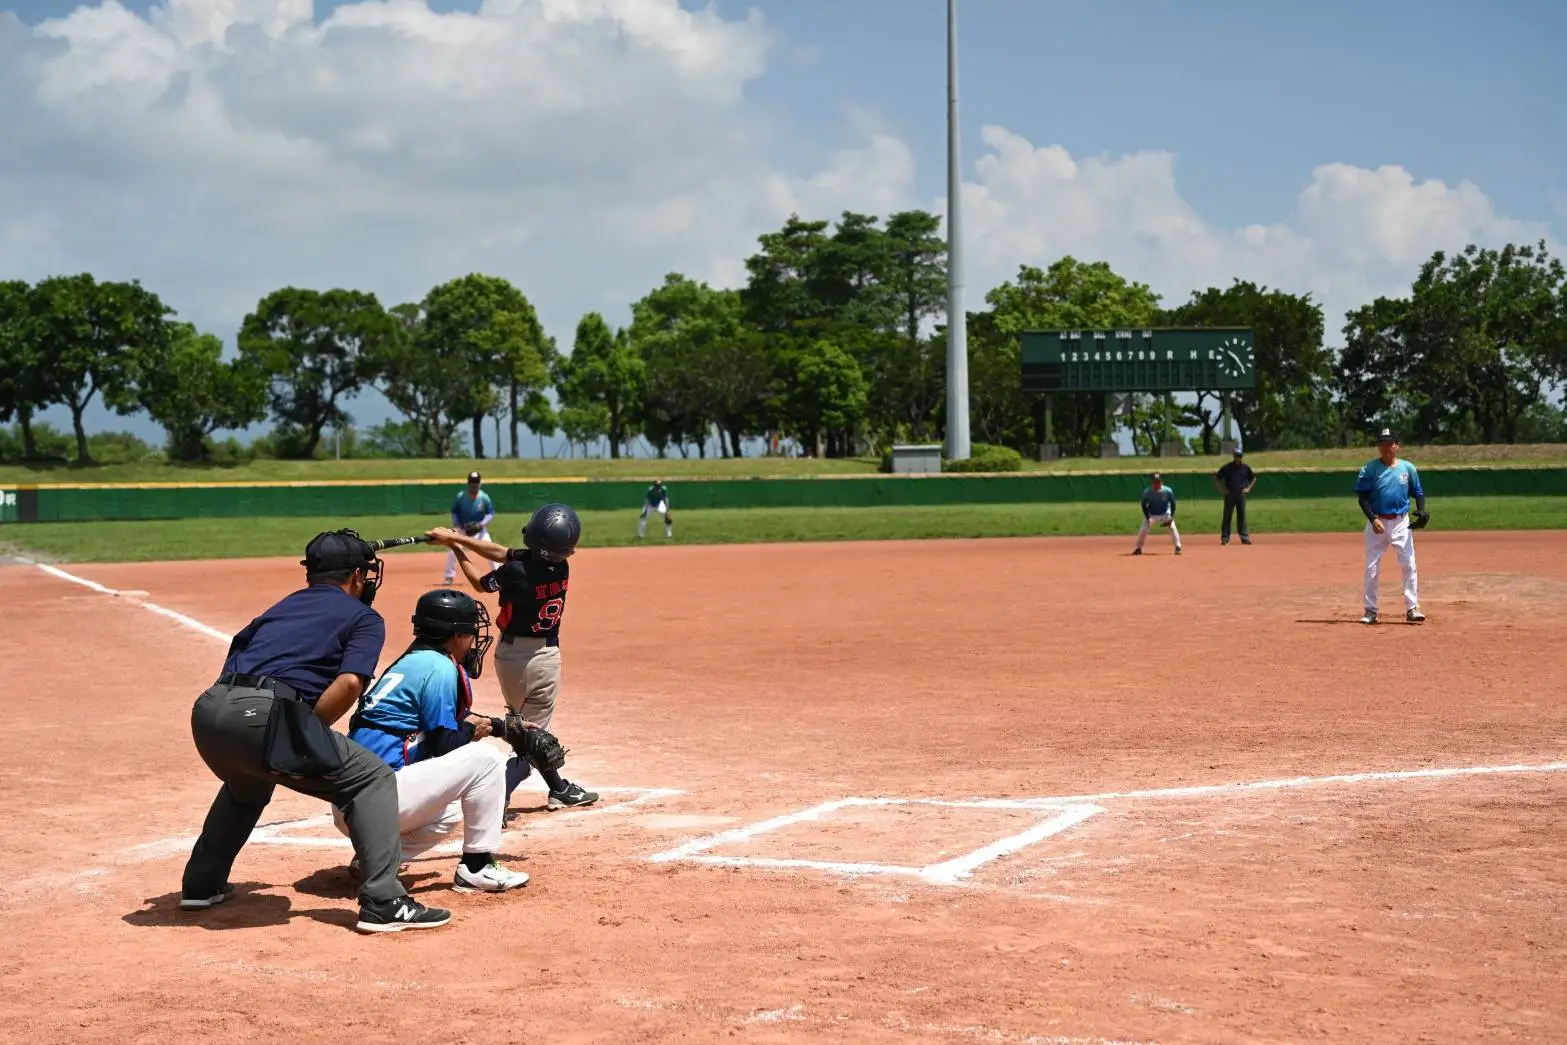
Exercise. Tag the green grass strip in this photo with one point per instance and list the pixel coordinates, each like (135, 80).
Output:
(141, 541)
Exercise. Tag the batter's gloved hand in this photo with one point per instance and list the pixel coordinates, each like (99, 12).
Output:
(1419, 520)
(535, 745)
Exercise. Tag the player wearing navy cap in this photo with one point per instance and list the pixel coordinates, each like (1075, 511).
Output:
(1383, 487)
(319, 645)
(472, 513)
(1158, 510)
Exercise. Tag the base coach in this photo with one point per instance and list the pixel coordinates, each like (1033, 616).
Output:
(290, 674)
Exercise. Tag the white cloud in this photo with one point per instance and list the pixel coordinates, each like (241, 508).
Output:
(1354, 233)
(217, 149)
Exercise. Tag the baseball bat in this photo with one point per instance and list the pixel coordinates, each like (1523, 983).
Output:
(398, 542)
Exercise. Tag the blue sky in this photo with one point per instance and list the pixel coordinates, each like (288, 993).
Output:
(1249, 98)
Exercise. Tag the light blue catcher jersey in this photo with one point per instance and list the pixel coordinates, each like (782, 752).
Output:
(1390, 486)
(467, 510)
(419, 693)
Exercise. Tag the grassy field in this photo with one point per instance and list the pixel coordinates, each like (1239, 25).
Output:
(223, 538)
(456, 469)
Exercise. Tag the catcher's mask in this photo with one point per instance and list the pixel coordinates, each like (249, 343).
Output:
(339, 551)
(444, 612)
(552, 533)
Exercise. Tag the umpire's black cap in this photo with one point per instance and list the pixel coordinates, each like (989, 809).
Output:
(337, 550)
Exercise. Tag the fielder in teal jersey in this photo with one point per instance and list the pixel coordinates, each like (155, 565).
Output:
(1384, 488)
(1158, 510)
(472, 512)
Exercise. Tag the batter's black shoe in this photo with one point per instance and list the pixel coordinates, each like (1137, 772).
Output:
(574, 795)
(393, 916)
(202, 902)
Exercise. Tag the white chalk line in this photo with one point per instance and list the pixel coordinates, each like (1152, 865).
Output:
(179, 618)
(1072, 810)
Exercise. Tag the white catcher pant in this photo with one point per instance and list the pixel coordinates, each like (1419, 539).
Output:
(451, 559)
(1142, 534)
(469, 786)
(1397, 534)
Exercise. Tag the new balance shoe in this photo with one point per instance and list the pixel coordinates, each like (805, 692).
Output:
(201, 902)
(493, 879)
(404, 912)
(574, 795)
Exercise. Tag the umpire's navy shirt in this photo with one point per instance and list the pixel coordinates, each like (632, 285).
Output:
(310, 638)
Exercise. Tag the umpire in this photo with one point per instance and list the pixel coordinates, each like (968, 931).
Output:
(290, 674)
(1235, 481)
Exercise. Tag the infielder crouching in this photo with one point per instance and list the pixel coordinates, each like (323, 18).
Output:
(1158, 510)
(1384, 487)
(417, 720)
(532, 583)
(656, 501)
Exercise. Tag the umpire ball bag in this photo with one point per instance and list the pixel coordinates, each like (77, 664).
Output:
(297, 743)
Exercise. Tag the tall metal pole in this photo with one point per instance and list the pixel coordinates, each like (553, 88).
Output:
(957, 317)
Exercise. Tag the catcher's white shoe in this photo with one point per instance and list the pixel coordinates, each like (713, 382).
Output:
(493, 879)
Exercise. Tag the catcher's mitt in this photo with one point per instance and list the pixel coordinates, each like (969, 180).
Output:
(534, 745)
(1419, 520)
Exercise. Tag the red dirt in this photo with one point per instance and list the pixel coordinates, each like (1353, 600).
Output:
(764, 680)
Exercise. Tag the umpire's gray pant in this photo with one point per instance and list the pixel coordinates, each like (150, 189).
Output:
(229, 724)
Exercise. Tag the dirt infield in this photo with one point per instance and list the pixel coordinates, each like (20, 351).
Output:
(966, 791)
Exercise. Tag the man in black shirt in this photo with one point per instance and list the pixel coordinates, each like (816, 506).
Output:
(319, 645)
(1235, 481)
(532, 583)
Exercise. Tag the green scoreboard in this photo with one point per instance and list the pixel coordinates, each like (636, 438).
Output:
(1163, 359)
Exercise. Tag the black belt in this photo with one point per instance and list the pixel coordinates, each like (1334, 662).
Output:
(275, 686)
(549, 640)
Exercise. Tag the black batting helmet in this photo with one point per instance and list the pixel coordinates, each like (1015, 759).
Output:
(553, 532)
(444, 612)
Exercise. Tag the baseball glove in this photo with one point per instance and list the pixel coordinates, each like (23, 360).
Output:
(1418, 520)
(1165, 520)
(473, 529)
(534, 745)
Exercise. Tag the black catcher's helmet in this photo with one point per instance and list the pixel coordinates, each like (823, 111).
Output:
(553, 532)
(444, 612)
(337, 551)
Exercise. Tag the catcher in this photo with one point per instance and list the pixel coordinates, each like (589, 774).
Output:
(418, 719)
(472, 513)
(1158, 510)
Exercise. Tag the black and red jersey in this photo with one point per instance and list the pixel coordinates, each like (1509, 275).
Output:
(533, 595)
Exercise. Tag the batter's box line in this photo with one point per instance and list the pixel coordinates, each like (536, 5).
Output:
(948, 872)
(276, 832)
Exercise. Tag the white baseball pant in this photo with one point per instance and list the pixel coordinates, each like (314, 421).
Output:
(470, 786)
(1396, 532)
(451, 559)
(661, 508)
(1149, 521)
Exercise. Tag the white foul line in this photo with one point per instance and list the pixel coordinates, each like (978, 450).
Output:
(174, 615)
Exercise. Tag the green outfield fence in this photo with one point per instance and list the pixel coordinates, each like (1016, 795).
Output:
(346, 499)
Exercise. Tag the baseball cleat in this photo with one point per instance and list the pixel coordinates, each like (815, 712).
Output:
(393, 916)
(201, 903)
(1137, 551)
(1245, 540)
(574, 795)
(1177, 551)
(493, 879)
(1369, 618)
(1414, 616)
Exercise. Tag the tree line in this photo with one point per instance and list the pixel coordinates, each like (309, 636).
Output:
(834, 342)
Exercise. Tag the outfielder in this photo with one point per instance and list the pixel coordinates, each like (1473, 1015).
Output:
(657, 502)
(472, 513)
(1158, 510)
(532, 583)
(1384, 487)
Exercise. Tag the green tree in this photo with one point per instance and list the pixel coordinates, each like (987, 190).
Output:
(605, 370)
(1070, 294)
(1468, 354)
(1291, 406)
(490, 325)
(87, 333)
(825, 397)
(24, 387)
(316, 348)
(184, 385)
(427, 381)
(907, 374)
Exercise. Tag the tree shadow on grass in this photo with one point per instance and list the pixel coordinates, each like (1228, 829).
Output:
(248, 908)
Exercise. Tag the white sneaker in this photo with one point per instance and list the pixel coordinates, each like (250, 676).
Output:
(493, 879)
